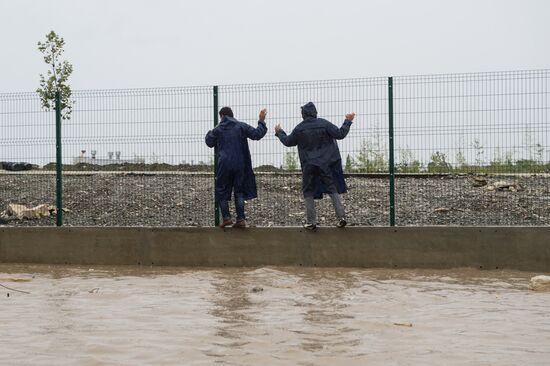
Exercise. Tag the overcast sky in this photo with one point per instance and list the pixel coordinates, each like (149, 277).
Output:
(131, 43)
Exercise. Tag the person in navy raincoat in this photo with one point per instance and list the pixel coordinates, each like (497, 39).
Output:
(234, 170)
(320, 160)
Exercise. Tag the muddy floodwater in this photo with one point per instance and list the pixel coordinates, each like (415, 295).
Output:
(270, 316)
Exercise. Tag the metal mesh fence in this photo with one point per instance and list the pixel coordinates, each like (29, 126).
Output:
(137, 157)
(277, 167)
(470, 149)
(27, 141)
(488, 133)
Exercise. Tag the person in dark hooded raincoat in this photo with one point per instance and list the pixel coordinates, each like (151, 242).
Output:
(234, 170)
(320, 160)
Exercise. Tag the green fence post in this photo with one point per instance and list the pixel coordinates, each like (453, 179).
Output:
(58, 161)
(216, 119)
(391, 152)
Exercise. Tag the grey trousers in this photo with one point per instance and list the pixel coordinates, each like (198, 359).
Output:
(311, 215)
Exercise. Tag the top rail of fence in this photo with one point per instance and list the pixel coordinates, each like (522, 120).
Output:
(467, 76)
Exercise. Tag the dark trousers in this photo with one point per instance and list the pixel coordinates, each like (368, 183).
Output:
(239, 207)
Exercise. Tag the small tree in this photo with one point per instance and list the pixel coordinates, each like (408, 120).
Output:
(407, 162)
(460, 158)
(438, 163)
(57, 76)
(461, 163)
(371, 157)
(479, 152)
(349, 164)
(502, 163)
(290, 162)
(539, 153)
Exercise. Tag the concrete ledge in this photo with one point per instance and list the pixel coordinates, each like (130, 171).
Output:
(522, 248)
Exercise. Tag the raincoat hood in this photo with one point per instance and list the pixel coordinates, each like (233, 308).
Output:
(309, 110)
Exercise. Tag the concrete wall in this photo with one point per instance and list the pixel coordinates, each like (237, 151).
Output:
(523, 248)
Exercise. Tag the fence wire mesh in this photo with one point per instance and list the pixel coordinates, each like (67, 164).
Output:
(27, 142)
(280, 201)
(470, 149)
(137, 157)
(488, 133)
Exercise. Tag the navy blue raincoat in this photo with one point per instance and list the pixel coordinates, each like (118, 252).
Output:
(318, 151)
(234, 171)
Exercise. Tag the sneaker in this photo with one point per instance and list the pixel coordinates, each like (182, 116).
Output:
(310, 226)
(342, 223)
(240, 224)
(226, 222)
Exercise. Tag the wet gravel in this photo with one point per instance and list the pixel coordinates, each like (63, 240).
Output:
(176, 199)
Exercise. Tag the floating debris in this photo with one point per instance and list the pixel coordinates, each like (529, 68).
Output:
(540, 283)
(16, 279)
(12, 289)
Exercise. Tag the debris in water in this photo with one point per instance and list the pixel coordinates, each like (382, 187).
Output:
(540, 283)
(257, 289)
(12, 289)
(15, 279)
(403, 324)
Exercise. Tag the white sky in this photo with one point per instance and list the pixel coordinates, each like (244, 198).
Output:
(130, 43)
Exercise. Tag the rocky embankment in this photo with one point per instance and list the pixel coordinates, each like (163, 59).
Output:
(185, 199)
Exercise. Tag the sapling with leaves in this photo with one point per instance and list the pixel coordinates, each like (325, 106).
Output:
(57, 76)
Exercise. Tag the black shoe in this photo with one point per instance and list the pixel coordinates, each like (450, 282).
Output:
(342, 223)
(310, 226)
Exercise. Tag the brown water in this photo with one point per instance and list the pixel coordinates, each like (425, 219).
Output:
(303, 316)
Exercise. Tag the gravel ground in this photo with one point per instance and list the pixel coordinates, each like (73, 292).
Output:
(176, 199)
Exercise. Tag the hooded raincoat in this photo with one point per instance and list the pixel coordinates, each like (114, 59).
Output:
(234, 170)
(318, 151)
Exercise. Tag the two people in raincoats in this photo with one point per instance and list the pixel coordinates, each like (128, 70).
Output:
(234, 171)
(320, 160)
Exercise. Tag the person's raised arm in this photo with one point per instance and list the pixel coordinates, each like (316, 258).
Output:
(260, 131)
(287, 140)
(211, 139)
(340, 133)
